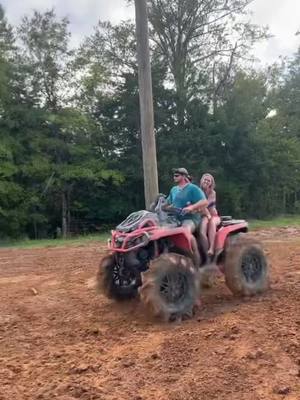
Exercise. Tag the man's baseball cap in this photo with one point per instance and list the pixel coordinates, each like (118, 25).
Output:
(181, 171)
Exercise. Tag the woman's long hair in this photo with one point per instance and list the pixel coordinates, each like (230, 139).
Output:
(213, 184)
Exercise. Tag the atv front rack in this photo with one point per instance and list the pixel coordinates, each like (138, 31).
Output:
(134, 240)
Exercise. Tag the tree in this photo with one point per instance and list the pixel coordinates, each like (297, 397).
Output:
(70, 151)
(103, 62)
(66, 136)
(47, 58)
(12, 195)
(201, 42)
(285, 127)
(234, 148)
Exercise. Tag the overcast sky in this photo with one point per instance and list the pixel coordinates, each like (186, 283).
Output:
(282, 17)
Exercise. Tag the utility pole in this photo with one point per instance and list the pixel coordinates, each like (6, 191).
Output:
(146, 103)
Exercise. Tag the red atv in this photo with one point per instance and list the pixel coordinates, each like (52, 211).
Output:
(151, 254)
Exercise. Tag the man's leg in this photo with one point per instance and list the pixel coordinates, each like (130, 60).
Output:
(189, 224)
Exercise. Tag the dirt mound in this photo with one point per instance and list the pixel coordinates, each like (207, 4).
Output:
(58, 339)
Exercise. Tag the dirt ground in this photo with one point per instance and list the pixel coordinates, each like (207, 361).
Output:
(60, 340)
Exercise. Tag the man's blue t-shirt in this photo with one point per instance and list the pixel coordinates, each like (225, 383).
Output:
(183, 197)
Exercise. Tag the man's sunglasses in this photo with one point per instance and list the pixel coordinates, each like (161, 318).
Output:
(176, 175)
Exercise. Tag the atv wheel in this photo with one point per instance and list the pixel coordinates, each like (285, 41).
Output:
(115, 281)
(246, 266)
(170, 288)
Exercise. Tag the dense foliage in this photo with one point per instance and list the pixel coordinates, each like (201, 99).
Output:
(70, 146)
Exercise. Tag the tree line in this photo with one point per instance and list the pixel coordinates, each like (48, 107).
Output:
(70, 148)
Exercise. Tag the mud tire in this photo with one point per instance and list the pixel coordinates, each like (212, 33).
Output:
(246, 266)
(106, 284)
(170, 288)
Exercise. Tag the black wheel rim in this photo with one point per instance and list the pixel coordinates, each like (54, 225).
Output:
(122, 277)
(174, 287)
(252, 267)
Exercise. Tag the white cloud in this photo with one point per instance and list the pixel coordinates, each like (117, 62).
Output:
(83, 14)
(283, 19)
(282, 16)
(82, 10)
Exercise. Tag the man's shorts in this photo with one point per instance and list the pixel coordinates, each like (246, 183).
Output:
(189, 223)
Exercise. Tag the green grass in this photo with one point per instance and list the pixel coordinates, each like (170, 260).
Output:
(278, 222)
(40, 243)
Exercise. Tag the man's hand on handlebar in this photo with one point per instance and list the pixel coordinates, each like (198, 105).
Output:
(188, 209)
(171, 209)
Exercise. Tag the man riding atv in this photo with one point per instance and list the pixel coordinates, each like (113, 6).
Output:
(154, 255)
(188, 197)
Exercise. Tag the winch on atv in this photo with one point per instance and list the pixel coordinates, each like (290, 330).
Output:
(150, 254)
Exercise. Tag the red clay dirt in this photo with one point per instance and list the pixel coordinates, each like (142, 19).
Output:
(60, 340)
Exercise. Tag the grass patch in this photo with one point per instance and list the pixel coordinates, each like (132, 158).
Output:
(40, 243)
(278, 222)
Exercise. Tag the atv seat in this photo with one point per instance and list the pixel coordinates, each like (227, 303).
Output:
(226, 218)
(227, 221)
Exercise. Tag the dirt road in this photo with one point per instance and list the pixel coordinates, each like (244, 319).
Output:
(59, 340)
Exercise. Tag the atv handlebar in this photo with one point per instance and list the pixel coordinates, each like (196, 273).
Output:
(175, 211)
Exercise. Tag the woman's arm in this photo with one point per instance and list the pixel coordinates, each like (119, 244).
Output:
(211, 197)
(206, 213)
(212, 203)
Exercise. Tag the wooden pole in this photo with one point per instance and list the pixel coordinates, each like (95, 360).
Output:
(146, 103)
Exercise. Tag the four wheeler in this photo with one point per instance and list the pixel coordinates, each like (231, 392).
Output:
(150, 254)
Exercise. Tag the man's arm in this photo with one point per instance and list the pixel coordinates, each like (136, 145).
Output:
(199, 201)
(199, 206)
(169, 201)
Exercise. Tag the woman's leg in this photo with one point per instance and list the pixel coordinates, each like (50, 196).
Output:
(203, 233)
(212, 229)
(204, 226)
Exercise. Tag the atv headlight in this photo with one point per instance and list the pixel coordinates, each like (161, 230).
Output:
(138, 241)
(119, 242)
